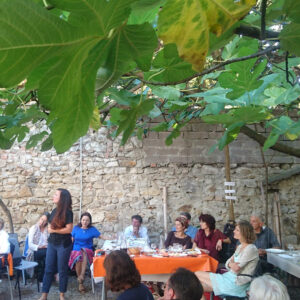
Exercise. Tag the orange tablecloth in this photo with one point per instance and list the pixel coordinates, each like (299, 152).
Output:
(163, 265)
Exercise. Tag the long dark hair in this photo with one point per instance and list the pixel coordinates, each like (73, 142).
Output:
(85, 214)
(64, 204)
(120, 271)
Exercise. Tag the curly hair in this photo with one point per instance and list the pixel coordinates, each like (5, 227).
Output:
(247, 231)
(209, 220)
(183, 221)
(120, 271)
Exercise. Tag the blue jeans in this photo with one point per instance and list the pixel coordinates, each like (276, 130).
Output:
(56, 260)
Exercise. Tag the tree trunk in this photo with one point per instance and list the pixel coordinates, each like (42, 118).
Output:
(7, 212)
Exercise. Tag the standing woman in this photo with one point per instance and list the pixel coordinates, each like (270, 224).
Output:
(59, 243)
(82, 254)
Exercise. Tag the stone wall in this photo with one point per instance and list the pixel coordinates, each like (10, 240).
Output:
(118, 182)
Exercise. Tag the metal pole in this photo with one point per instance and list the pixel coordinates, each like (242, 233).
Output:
(80, 168)
(165, 210)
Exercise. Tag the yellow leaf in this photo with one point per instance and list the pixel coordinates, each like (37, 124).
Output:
(187, 23)
(291, 136)
(95, 121)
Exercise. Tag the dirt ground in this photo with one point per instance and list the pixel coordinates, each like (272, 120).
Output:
(30, 292)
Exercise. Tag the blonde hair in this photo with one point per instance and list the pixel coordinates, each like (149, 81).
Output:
(268, 288)
(247, 231)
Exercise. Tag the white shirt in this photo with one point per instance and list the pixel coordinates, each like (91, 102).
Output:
(4, 243)
(43, 239)
(142, 232)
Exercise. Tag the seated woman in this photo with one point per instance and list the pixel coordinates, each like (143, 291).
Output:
(122, 275)
(5, 256)
(178, 236)
(268, 288)
(37, 244)
(208, 238)
(4, 243)
(82, 254)
(242, 262)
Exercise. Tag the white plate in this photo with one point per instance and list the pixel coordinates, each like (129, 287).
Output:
(273, 250)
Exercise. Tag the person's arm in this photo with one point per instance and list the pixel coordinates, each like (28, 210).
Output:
(65, 230)
(249, 254)
(168, 240)
(4, 243)
(31, 245)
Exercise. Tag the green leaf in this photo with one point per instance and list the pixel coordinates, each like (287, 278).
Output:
(5, 143)
(98, 17)
(161, 127)
(292, 9)
(168, 66)
(130, 45)
(34, 139)
(47, 144)
(290, 38)
(247, 114)
(166, 92)
(173, 135)
(270, 141)
(242, 77)
(230, 134)
(144, 11)
(155, 112)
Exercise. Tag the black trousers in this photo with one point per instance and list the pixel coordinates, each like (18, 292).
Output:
(40, 257)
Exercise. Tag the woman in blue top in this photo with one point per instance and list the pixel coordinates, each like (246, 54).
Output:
(82, 253)
(122, 275)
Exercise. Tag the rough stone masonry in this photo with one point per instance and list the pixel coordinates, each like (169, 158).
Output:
(118, 182)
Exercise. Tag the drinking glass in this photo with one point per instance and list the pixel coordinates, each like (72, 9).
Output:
(291, 248)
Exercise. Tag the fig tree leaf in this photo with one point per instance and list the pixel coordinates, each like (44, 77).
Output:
(188, 24)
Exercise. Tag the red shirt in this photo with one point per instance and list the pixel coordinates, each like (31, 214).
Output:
(209, 242)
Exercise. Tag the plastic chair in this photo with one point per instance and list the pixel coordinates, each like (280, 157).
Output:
(23, 265)
(6, 271)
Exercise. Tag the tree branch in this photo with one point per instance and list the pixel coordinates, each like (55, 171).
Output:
(277, 147)
(263, 9)
(227, 62)
(255, 32)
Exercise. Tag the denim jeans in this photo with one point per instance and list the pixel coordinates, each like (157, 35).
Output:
(56, 260)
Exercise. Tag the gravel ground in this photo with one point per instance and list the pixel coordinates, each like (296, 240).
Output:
(29, 291)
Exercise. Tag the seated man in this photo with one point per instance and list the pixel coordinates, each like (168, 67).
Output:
(268, 288)
(265, 239)
(136, 230)
(183, 285)
(191, 230)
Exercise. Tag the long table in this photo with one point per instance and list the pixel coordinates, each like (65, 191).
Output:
(159, 268)
(288, 264)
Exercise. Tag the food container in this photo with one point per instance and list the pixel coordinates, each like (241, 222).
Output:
(134, 251)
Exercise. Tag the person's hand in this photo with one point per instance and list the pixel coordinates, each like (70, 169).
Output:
(50, 229)
(262, 252)
(234, 266)
(135, 231)
(219, 245)
(42, 247)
